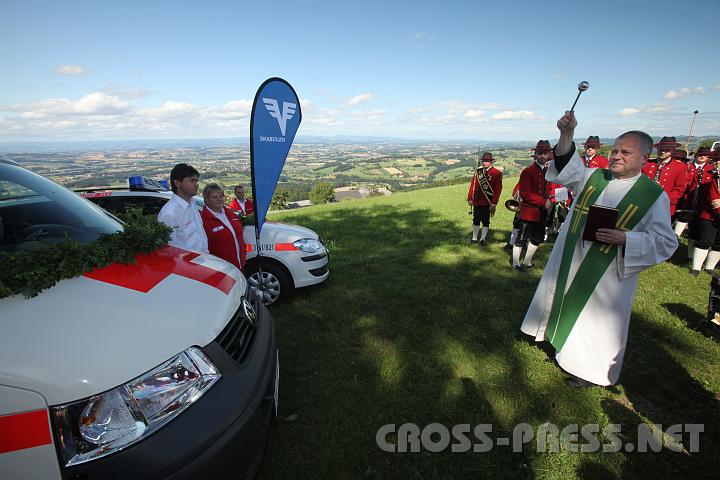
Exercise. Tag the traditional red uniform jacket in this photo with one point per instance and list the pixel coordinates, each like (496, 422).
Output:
(672, 178)
(709, 191)
(220, 240)
(476, 195)
(249, 208)
(535, 191)
(598, 161)
(695, 178)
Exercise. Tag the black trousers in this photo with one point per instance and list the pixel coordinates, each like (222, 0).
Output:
(534, 232)
(707, 235)
(693, 227)
(517, 223)
(481, 213)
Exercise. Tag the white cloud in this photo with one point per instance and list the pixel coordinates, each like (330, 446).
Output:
(323, 121)
(172, 107)
(474, 114)
(717, 87)
(455, 106)
(98, 103)
(684, 92)
(559, 76)
(369, 115)
(629, 111)
(70, 70)
(127, 93)
(232, 110)
(658, 107)
(358, 99)
(418, 110)
(514, 115)
(439, 120)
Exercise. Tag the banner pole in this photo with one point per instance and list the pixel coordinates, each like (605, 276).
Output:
(258, 253)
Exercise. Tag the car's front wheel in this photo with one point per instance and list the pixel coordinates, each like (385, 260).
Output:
(276, 282)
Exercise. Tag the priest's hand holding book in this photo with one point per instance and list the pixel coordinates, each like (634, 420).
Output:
(611, 236)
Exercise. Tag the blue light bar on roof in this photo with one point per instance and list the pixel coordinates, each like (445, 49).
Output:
(142, 183)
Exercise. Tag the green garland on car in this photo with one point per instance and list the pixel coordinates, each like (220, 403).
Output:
(40, 267)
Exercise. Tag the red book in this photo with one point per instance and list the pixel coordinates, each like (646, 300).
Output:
(599, 217)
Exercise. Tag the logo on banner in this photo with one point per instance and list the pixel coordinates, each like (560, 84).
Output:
(288, 110)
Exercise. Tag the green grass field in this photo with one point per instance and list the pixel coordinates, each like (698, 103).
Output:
(416, 325)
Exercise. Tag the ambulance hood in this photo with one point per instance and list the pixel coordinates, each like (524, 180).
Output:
(274, 232)
(96, 332)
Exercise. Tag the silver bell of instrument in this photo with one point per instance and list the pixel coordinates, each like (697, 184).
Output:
(513, 204)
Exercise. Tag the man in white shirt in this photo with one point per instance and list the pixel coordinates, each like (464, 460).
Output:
(180, 212)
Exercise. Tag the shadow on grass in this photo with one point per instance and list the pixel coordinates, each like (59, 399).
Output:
(415, 325)
(688, 315)
(659, 390)
(679, 257)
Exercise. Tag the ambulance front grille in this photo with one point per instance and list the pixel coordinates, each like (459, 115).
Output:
(237, 336)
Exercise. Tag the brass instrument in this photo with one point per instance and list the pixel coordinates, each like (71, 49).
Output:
(513, 204)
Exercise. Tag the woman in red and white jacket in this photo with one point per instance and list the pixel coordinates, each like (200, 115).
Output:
(223, 227)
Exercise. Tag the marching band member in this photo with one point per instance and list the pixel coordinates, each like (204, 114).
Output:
(535, 206)
(683, 212)
(707, 242)
(667, 172)
(483, 196)
(591, 159)
(699, 174)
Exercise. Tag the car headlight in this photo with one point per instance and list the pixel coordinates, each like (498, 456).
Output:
(111, 421)
(308, 245)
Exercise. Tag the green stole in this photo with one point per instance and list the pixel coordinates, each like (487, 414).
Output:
(567, 305)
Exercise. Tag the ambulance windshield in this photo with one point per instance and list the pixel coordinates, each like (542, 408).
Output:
(33, 208)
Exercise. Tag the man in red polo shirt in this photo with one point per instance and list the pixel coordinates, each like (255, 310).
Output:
(590, 158)
(670, 174)
(484, 195)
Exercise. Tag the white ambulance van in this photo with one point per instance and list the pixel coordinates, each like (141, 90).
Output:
(160, 369)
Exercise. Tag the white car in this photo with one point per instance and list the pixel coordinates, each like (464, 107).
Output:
(292, 256)
(157, 369)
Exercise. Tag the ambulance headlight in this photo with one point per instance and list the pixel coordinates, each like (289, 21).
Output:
(111, 421)
(308, 245)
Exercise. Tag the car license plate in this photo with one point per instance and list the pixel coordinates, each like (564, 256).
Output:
(277, 380)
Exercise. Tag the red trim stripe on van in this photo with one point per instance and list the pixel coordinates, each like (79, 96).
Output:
(24, 430)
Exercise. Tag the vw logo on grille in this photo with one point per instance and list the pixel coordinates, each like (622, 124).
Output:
(250, 314)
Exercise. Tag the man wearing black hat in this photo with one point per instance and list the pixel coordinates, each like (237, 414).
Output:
(699, 173)
(682, 212)
(667, 172)
(483, 196)
(535, 192)
(706, 226)
(591, 159)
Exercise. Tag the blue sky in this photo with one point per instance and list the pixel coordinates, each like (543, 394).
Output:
(502, 70)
